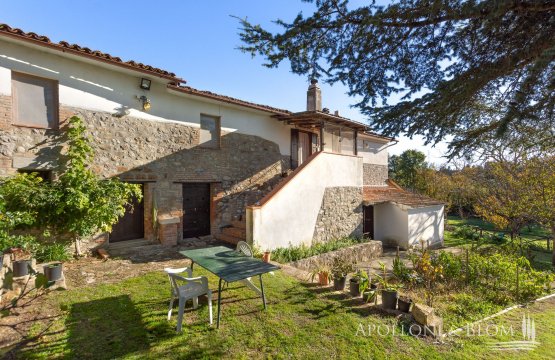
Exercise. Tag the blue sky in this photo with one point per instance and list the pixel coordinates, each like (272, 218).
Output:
(197, 40)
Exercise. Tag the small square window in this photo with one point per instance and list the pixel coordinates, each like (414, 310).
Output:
(209, 131)
(35, 101)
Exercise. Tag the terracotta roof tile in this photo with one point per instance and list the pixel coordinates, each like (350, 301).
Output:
(228, 99)
(64, 46)
(394, 193)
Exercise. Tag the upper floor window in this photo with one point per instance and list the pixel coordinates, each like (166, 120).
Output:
(210, 130)
(34, 101)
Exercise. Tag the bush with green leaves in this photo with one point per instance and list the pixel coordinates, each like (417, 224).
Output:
(9, 220)
(294, 253)
(467, 232)
(52, 252)
(492, 272)
(79, 203)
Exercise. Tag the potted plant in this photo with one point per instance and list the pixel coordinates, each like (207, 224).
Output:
(21, 263)
(404, 303)
(388, 290)
(53, 272)
(323, 273)
(366, 287)
(354, 282)
(266, 256)
(340, 269)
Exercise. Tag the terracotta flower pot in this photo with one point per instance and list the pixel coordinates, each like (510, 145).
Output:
(266, 256)
(323, 279)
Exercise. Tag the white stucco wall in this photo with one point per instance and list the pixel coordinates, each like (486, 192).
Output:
(375, 153)
(391, 225)
(426, 224)
(289, 217)
(91, 85)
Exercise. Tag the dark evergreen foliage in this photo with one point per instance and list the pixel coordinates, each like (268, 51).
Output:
(465, 68)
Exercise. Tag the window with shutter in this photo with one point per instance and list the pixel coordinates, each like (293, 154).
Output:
(34, 101)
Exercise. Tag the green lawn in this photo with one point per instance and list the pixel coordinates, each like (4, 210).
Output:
(127, 320)
(532, 233)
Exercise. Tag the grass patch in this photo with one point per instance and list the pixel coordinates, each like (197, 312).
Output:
(533, 238)
(127, 320)
(531, 234)
(294, 253)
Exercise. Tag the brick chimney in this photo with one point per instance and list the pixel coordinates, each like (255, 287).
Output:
(314, 97)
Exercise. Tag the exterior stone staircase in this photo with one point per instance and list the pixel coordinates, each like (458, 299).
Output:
(235, 232)
(237, 229)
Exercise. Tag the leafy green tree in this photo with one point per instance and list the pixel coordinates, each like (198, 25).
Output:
(86, 203)
(502, 193)
(79, 203)
(460, 67)
(405, 169)
(541, 172)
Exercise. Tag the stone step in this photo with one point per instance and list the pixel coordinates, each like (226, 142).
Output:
(237, 232)
(240, 224)
(128, 244)
(144, 249)
(228, 239)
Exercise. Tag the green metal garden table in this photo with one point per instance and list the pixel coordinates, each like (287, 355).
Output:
(230, 266)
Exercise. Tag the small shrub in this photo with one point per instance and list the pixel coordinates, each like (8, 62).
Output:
(52, 252)
(341, 267)
(466, 232)
(453, 266)
(294, 253)
(401, 271)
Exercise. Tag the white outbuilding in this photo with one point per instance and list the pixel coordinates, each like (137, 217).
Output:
(401, 218)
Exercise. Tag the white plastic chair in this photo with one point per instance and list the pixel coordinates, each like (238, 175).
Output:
(244, 248)
(185, 288)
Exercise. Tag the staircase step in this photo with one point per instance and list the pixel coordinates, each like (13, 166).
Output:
(240, 224)
(128, 244)
(228, 238)
(237, 232)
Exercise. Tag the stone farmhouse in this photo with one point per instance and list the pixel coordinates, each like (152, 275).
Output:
(208, 164)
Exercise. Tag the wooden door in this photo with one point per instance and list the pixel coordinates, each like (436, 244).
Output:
(131, 225)
(196, 209)
(303, 144)
(368, 222)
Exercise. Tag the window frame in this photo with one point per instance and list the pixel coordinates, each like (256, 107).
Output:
(218, 120)
(55, 100)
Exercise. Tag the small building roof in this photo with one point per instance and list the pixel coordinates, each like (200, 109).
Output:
(394, 193)
(316, 118)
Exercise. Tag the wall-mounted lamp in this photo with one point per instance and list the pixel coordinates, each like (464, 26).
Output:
(145, 101)
(145, 84)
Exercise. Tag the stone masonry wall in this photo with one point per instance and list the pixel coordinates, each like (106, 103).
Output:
(340, 214)
(355, 254)
(375, 175)
(163, 155)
